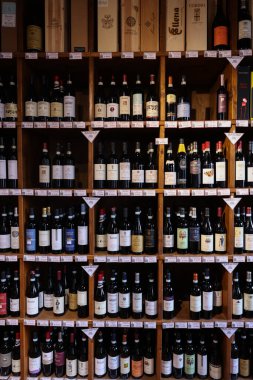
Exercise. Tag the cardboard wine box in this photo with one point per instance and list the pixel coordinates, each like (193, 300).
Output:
(130, 25)
(9, 26)
(79, 25)
(175, 25)
(107, 25)
(243, 93)
(149, 25)
(196, 24)
(56, 36)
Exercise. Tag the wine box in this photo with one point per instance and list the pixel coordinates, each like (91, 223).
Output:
(9, 26)
(243, 92)
(130, 25)
(56, 35)
(175, 25)
(79, 25)
(196, 25)
(107, 25)
(149, 25)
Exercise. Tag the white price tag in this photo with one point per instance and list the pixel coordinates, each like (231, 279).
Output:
(66, 193)
(170, 124)
(55, 323)
(91, 201)
(6, 55)
(223, 192)
(149, 193)
(31, 55)
(210, 53)
(123, 124)
(152, 124)
(182, 259)
(68, 323)
(211, 124)
(161, 141)
(81, 259)
(27, 124)
(90, 135)
(67, 259)
(237, 324)
(225, 53)
(53, 124)
(11, 322)
(2, 258)
(28, 192)
(4, 192)
(221, 259)
(170, 259)
(229, 332)
(41, 259)
(170, 192)
(80, 193)
(198, 192)
(53, 55)
(211, 192)
(168, 325)
(29, 322)
(235, 61)
(106, 55)
(193, 325)
(54, 259)
(11, 258)
(124, 324)
(137, 325)
(245, 52)
(239, 259)
(124, 193)
(136, 193)
(136, 259)
(230, 266)
(180, 325)
(184, 124)
(150, 259)
(66, 124)
(249, 259)
(40, 193)
(112, 259)
(149, 325)
(137, 124)
(111, 323)
(110, 124)
(40, 124)
(127, 54)
(91, 332)
(79, 124)
(97, 124)
(2, 322)
(9, 124)
(220, 324)
(75, 55)
(53, 193)
(15, 192)
(193, 259)
(29, 258)
(98, 193)
(191, 54)
(207, 325)
(174, 54)
(111, 193)
(183, 192)
(224, 123)
(149, 55)
(234, 137)
(125, 259)
(207, 259)
(242, 123)
(82, 323)
(248, 325)
(232, 202)
(242, 191)
(198, 124)
(42, 322)
(251, 191)
(99, 259)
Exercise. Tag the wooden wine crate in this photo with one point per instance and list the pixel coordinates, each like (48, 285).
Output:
(56, 36)
(107, 25)
(130, 25)
(9, 26)
(79, 25)
(196, 25)
(175, 25)
(149, 25)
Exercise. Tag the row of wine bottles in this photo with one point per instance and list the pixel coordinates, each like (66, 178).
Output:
(10, 354)
(241, 354)
(8, 164)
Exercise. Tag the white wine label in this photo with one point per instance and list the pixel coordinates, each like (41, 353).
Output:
(149, 365)
(82, 368)
(152, 109)
(168, 241)
(100, 110)
(124, 365)
(217, 298)
(125, 171)
(150, 307)
(240, 172)
(124, 300)
(178, 361)
(82, 235)
(220, 242)
(44, 238)
(248, 242)
(206, 243)
(57, 171)
(170, 178)
(124, 105)
(207, 301)
(100, 366)
(44, 173)
(112, 172)
(56, 109)
(195, 303)
(220, 171)
(43, 109)
(100, 307)
(113, 242)
(151, 176)
(237, 307)
(208, 176)
(58, 305)
(12, 169)
(69, 106)
(239, 237)
(113, 362)
(168, 305)
(56, 237)
(31, 109)
(14, 237)
(32, 306)
(202, 365)
(248, 301)
(47, 357)
(137, 104)
(71, 367)
(112, 303)
(112, 110)
(137, 176)
(125, 238)
(81, 298)
(137, 302)
(3, 172)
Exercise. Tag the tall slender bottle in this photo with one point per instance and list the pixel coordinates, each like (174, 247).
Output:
(137, 238)
(113, 357)
(137, 174)
(100, 101)
(168, 233)
(220, 29)
(240, 166)
(124, 100)
(168, 298)
(181, 165)
(12, 166)
(195, 299)
(152, 103)
(125, 233)
(137, 297)
(112, 168)
(170, 174)
(222, 100)
(99, 168)
(100, 355)
(244, 26)
(69, 101)
(183, 104)
(124, 168)
(137, 100)
(171, 101)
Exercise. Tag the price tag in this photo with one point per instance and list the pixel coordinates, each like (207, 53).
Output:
(67, 259)
(221, 259)
(238, 259)
(184, 124)
(170, 193)
(149, 55)
(15, 192)
(6, 55)
(174, 54)
(42, 322)
(90, 135)
(251, 191)
(29, 192)
(65, 193)
(125, 259)
(91, 201)
(210, 53)
(249, 259)
(68, 323)
(168, 325)
(4, 192)
(29, 258)
(193, 259)
(99, 259)
(45, 378)
(111, 193)
(79, 125)
(29, 55)
(242, 192)
(53, 193)
(191, 54)
(110, 124)
(52, 55)
(245, 52)
(198, 124)
(207, 259)
(75, 55)
(184, 192)
(170, 124)
(2, 322)
(225, 53)
(234, 137)
(170, 259)
(127, 54)
(80, 193)
(211, 124)
(237, 324)
(112, 259)
(232, 202)
(27, 124)
(198, 192)
(53, 124)
(66, 124)
(149, 193)
(99, 193)
(11, 322)
(9, 124)
(123, 124)
(224, 123)
(211, 192)
(41, 259)
(207, 325)
(242, 123)
(40, 124)
(182, 259)
(149, 325)
(229, 332)
(248, 325)
(136, 259)
(105, 55)
(2, 257)
(137, 325)
(180, 325)
(32, 378)
(137, 124)
(193, 325)
(123, 324)
(55, 323)
(81, 259)
(29, 322)
(11, 259)
(124, 193)
(97, 124)
(150, 259)
(161, 141)
(111, 323)
(18, 378)
(223, 192)
(54, 259)
(235, 61)
(220, 324)
(40, 193)
(152, 124)
(136, 193)
(81, 323)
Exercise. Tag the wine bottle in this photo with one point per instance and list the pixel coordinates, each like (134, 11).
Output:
(112, 168)
(124, 100)
(247, 296)
(244, 26)
(137, 297)
(207, 296)
(82, 230)
(215, 366)
(43, 103)
(5, 355)
(34, 27)
(124, 168)
(178, 358)
(82, 303)
(125, 361)
(57, 168)
(48, 291)
(207, 168)
(237, 298)
(222, 100)
(149, 356)
(168, 298)
(195, 299)
(152, 103)
(249, 165)
(113, 233)
(59, 296)
(3, 165)
(39, 288)
(220, 233)
(100, 299)
(189, 358)
(206, 234)
(220, 29)
(31, 107)
(99, 168)
(112, 296)
(59, 357)
(238, 232)
(150, 233)
(5, 232)
(69, 169)
(82, 362)
(181, 165)
(44, 168)
(2, 99)
(30, 233)
(221, 166)
(56, 102)
(14, 296)
(15, 232)
(47, 352)
(3, 296)
(248, 232)
(194, 232)
(244, 356)
(166, 362)
(32, 297)
(137, 174)
(170, 175)
(73, 291)
(183, 104)
(112, 105)
(65, 282)
(10, 106)
(202, 359)
(137, 238)
(100, 101)
(195, 167)
(70, 233)
(113, 357)
(240, 166)
(44, 233)
(101, 232)
(137, 100)
(71, 358)
(150, 168)
(15, 360)
(100, 356)
(168, 233)
(12, 166)
(124, 297)
(69, 101)
(234, 361)
(56, 233)
(125, 233)
(136, 358)
(34, 356)
(182, 232)
(151, 298)
(217, 296)
(171, 101)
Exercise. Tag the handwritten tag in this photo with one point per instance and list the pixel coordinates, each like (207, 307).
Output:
(137, 325)
(42, 322)
(234, 61)
(210, 53)
(106, 55)
(229, 332)
(136, 193)
(161, 141)
(232, 202)
(90, 135)
(168, 325)
(123, 324)
(211, 124)
(182, 259)
(67, 259)
(111, 323)
(170, 259)
(52, 55)
(66, 124)
(198, 192)
(40, 193)
(137, 124)
(29, 322)
(149, 193)
(149, 55)
(149, 325)
(81, 259)
(4, 192)
(225, 53)
(11, 322)
(110, 124)
(152, 124)
(29, 258)
(99, 259)
(31, 55)
(193, 259)
(136, 259)
(207, 325)
(248, 325)
(127, 54)
(221, 259)
(124, 193)
(41, 259)
(111, 193)
(175, 54)
(150, 259)
(234, 137)
(27, 124)
(170, 124)
(11, 258)
(223, 192)
(68, 323)
(40, 124)
(79, 193)
(220, 324)
(237, 324)
(91, 201)
(79, 125)
(82, 323)
(9, 124)
(75, 55)
(53, 193)
(211, 192)
(29, 192)
(55, 323)
(53, 124)
(125, 259)
(249, 259)
(207, 259)
(230, 266)
(181, 325)
(66, 193)
(112, 259)
(191, 54)
(183, 192)
(6, 55)
(242, 123)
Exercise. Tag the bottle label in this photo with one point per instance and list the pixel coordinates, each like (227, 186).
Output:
(248, 301)
(137, 302)
(150, 307)
(166, 367)
(124, 365)
(70, 239)
(137, 243)
(168, 304)
(207, 176)
(207, 301)
(239, 232)
(56, 235)
(250, 173)
(1, 110)
(72, 301)
(41, 300)
(112, 110)
(100, 111)
(112, 303)
(99, 172)
(56, 109)
(30, 239)
(220, 35)
(113, 362)
(31, 108)
(195, 167)
(124, 171)
(183, 110)
(178, 361)
(71, 367)
(234, 366)
(202, 369)
(168, 241)
(12, 169)
(152, 109)
(217, 298)
(34, 37)
(170, 178)
(14, 305)
(240, 170)
(244, 29)
(44, 238)
(5, 360)
(206, 243)
(195, 303)
(220, 242)
(100, 366)
(82, 235)
(182, 238)
(15, 366)
(69, 172)
(150, 237)
(222, 103)
(11, 110)
(44, 173)
(48, 301)
(5, 241)
(32, 306)
(215, 371)
(47, 357)
(43, 109)
(100, 307)
(124, 300)
(125, 238)
(220, 171)
(3, 303)
(34, 365)
(171, 99)
(248, 242)
(83, 368)
(137, 176)
(3, 174)
(57, 172)
(244, 365)
(194, 234)
(113, 242)
(137, 368)
(58, 305)
(149, 366)
(69, 106)
(189, 364)
(151, 176)
(137, 104)
(59, 358)
(112, 172)
(101, 241)
(237, 307)
(124, 105)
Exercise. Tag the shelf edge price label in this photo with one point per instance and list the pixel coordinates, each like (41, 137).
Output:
(105, 55)
(230, 266)
(232, 202)
(91, 201)
(52, 55)
(90, 269)
(235, 60)
(229, 331)
(6, 55)
(75, 55)
(127, 54)
(90, 135)
(234, 137)
(90, 332)
(31, 55)
(175, 54)
(161, 141)
(149, 55)
(210, 54)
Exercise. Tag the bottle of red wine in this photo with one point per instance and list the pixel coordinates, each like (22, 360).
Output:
(69, 169)
(166, 362)
(112, 296)
(15, 361)
(206, 234)
(113, 233)
(249, 165)
(73, 291)
(125, 362)
(31, 233)
(56, 233)
(43, 101)
(34, 356)
(234, 361)
(99, 168)
(151, 298)
(31, 102)
(168, 298)
(12, 166)
(195, 167)
(82, 361)
(57, 168)
(56, 103)
(32, 297)
(237, 298)
(149, 356)
(125, 233)
(112, 168)
(240, 166)
(217, 296)
(137, 238)
(101, 232)
(170, 175)
(70, 233)
(182, 232)
(5, 355)
(137, 175)
(248, 296)
(137, 358)
(137, 297)
(168, 233)
(181, 165)
(14, 296)
(195, 299)
(124, 168)
(44, 168)
(59, 296)
(178, 358)
(202, 359)
(124, 297)
(207, 168)
(150, 233)
(15, 232)
(112, 106)
(207, 296)
(69, 101)
(59, 357)
(194, 232)
(5, 232)
(100, 101)
(215, 366)
(48, 291)
(244, 26)
(151, 168)
(248, 232)
(44, 233)
(238, 232)
(220, 233)
(152, 103)
(183, 105)
(100, 355)
(171, 101)
(220, 29)
(221, 166)
(71, 358)
(137, 100)
(10, 107)
(124, 100)
(189, 358)
(113, 357)
(100, 299)
(82, 298)
(3, 296)
(222, 100)
(47, 352)
(3, 165)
